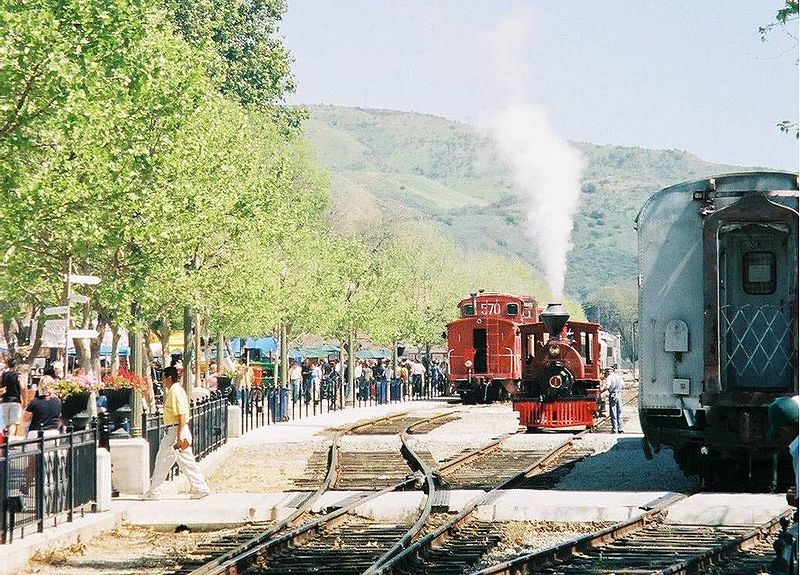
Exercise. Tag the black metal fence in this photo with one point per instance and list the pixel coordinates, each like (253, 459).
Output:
(208, 424)
(45, 480)
(266, 405)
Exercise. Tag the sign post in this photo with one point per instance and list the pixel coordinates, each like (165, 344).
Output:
(69, 297)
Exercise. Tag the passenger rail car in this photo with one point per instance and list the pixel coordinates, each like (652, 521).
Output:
(718, 295)
(561, 378)
(484, 345)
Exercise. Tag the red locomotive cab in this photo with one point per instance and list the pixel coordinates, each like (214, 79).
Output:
(484, 345)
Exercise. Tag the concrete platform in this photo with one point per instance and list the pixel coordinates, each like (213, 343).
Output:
(727, 509)
(570, 506)
(216, 511)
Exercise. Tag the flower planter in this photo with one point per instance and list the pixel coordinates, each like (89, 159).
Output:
(116, 398)
(74, 404)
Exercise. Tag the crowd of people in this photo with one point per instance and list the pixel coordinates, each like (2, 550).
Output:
(317, 379)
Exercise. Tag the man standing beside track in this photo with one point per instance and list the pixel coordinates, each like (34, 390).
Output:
(176, 444)
(614, 384)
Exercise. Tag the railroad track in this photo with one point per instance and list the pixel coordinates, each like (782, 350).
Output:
(461, 540)
(361, 470)
(433, 543)
(275, 544)
(647, 544)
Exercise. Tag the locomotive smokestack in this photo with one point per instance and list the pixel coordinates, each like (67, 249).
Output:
(554, 318)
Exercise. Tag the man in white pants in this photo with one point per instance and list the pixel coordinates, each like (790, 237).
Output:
(176, 444)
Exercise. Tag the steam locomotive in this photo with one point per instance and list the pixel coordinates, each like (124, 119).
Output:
(484, 345)
(560, 385)
(718, 308)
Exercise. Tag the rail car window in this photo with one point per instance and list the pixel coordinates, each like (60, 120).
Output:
(468, 310)
(759, 273)
(512, 309)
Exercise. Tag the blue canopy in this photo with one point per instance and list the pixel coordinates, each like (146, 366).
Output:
(105, 350)
(265, 344)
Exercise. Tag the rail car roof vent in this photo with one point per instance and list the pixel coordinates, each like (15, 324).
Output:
(554, 318)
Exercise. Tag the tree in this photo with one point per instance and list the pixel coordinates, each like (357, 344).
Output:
(615, 308)
(252, 66)
(786, 14)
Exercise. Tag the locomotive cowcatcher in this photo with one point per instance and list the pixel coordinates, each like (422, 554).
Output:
(484, 345)
(561, 377)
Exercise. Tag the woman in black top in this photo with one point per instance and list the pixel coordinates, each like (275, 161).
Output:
(44, 412)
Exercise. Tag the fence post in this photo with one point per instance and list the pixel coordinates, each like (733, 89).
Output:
(71, 485)
(40, 483)
(4, 492)
(224, 408)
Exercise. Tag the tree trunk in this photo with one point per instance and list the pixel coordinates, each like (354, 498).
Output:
(163, 337)
(10, 333)
(95, 345)
(187, 349)
(284, 362)
(116, 337)
(220, 352)
(351, 367)
(340, 398)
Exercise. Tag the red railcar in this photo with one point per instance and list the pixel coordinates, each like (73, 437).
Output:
(484, 345)
(560, 385)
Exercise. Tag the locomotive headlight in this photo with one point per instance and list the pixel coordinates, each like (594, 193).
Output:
(554, 351)
(468, 363)
(555, 381)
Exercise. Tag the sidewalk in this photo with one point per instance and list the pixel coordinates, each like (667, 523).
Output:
(214, 511)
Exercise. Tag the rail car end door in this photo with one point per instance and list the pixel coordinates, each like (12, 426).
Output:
(753, 288)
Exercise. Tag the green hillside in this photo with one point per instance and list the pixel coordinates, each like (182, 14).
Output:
(416, 167)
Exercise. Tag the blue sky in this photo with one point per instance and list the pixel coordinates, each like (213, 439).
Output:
(688, 75)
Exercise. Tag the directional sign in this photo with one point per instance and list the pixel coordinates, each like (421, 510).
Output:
(53, 332)
(83, 333)
(83, 280)
(56, 310)
(77, 298)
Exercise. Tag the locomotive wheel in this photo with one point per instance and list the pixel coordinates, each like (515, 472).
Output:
(468, 397)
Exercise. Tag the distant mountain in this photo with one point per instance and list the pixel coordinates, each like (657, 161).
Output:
(427, 168)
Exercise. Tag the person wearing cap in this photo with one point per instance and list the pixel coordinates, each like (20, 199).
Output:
(614, 384)
(783, 422)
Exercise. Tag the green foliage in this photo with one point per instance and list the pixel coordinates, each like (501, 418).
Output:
(615, 307)
(785, 14)
(252, 66)
(120, 154)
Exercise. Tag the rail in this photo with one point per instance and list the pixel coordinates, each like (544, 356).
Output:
(533, 562)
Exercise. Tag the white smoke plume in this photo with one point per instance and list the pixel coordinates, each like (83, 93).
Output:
(546, 172)
(546, 169)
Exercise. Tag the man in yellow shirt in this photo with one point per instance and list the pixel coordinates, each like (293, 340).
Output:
(176, 444)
